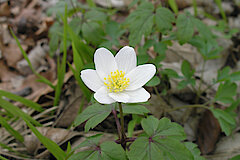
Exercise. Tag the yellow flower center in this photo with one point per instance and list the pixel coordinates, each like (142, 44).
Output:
(116, 82)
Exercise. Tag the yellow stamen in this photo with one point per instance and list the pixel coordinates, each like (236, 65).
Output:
(116, 82)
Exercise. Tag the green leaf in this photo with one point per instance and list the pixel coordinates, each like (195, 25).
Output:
(226, 120)
(75, 25)
(160, 48)
(62, 67)
(24, 101)
(95, 114)
(173, 5)
(164, 19)
(93, 33)
(170, 73)
(186, 69)
(112, 150)
(96, 15)
(105, 151)
(225, 92)
(150, 125)
(14, 110)
(219, 4)
(136, 119)
(12, 131)
(55, 34)
(237, 157)
(140, 22)
(49, 144)
(233, 106)
(114, 30)
(91, 141)
(135, 109)
(208, 48)
(2, 158)
(223, 74)
(142, 59)
(235, 76)
(185, 28)
(194, 150)
(161, 141)
(182, 84)
(153, 82)
(203, 29)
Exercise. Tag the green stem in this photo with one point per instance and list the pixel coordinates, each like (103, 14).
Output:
(199, 92)
(123, 137)
(188, 106)
(122, 120)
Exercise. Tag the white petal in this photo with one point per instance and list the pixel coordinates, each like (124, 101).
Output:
(119, 97)
(104, 62)
(140, 76)
(126, 59)
(139, 95)
(102, 96)
(91, 79)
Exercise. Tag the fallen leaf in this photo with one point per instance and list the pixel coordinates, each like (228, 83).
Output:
(208, 132)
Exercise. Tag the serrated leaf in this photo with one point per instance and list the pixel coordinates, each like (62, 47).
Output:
(185, 28)
(161, 141)
(208, 48)
(223, 74)
(135, 109)
(233, 106)
(170, 73)
(202, 28)
(106, 151)
(160, 48)
(150, 125)
(173, 149)
(186, 69)
(163, 127)
(91, 141)
(164, 19)
(226, 120)
(153, 82)
(95, 114)
(93, 32)
(225, 92)
(113, 150)
(96, 15)
(140, 22)
(235, 76)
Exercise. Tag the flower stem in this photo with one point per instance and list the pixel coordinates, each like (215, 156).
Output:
(117, 123)
(123, 135)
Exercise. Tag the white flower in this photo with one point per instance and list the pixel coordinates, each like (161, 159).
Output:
(118, 79)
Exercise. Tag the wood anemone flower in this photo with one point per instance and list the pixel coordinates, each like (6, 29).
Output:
(118, 79)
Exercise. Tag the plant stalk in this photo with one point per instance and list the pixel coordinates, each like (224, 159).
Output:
(117, 123)
(123, 135)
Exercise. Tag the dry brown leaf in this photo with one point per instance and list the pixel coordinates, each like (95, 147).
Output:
(5, 74)
(5, 9)
(208, 132)
(69, 105)
(12, 54)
